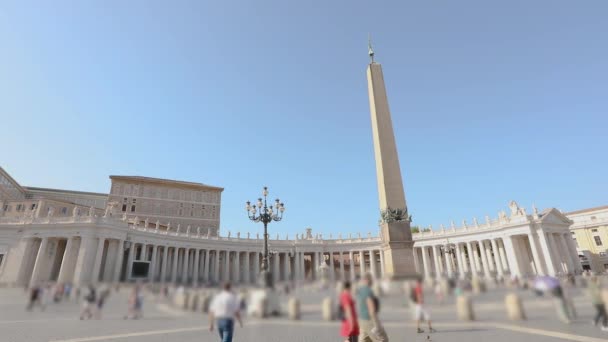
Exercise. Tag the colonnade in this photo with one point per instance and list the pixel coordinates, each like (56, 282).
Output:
(88, 259)
(513, 255)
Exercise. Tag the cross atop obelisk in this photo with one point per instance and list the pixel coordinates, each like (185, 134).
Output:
(395, 227)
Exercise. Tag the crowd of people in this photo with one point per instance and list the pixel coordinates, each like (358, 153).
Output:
(358, 306)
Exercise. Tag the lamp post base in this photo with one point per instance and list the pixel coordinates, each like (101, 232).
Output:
(265, 279)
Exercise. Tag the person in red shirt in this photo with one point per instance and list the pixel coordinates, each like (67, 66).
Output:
(350, 327)
(421, 312)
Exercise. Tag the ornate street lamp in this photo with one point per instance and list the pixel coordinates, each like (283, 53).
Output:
(260, 212)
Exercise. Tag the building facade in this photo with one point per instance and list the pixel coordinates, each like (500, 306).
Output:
(53, 239)
(590, 233)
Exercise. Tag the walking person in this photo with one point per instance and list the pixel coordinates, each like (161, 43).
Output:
(370, 328)
(103, 296)
(595, 293)
(350, 326)
(136, 302)
(224, 309)
(420, 311)
(89, 304)
(34, 297)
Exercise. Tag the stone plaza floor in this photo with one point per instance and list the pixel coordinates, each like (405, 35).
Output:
(163, 322)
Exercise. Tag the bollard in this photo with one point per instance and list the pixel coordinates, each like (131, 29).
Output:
(515, 309)
(478, 285)
(327, 307)
(179, 300)
(293, 308)
(204, 300)
(464, 307)
(192, 302)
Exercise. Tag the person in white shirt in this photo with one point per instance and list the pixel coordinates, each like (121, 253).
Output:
(225, 309)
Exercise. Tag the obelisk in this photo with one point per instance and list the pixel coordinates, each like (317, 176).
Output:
(397, 244)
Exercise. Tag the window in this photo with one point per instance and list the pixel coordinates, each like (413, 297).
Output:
(606, 266)
(33, 206)
(7, 208)
(124, 207)
(2, 258)
(598, 241)
(19, 207)
(594, 230)
(64, 210)
(133, 208)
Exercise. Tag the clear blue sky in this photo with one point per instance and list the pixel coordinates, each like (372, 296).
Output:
(490, 102)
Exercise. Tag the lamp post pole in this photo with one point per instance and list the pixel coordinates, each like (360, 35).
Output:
(265, 214)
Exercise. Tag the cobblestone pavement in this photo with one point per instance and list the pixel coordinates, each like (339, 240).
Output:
(163, 322)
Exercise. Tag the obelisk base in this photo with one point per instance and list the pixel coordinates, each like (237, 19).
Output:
(398, 251)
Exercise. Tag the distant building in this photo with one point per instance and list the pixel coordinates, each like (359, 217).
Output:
(590, 233)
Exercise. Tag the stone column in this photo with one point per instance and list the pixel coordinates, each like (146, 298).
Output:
(472, 258)
(256, 264)
(130, 258)
(448, 264)
(425, 263)
(97, 262)
(547, 255)
(503, 257)
(499, 269)
(246, 269)
(66, 262)
(216, 268)
(332, 270)
(487, 246)
(558, 257)
(205, 262)
(342, 275)
(477, 257)
(174, 258)
(152, 269)
(484, 258)
(362, 263)
(302, 266)
(511, 256)
(351, 265)
(576, 262)
(465, 262)
(144, 252)
(372, 263)
(437, 260)
(163, 265)
(564, 247)
(286, 266)
(118, 262)
(538, 262)
(461, 272)
(275, 267)
(237, 267)
(196, 267)
(184, 268)
(297, 268)
(40, 261)
(416, 259)
(381, 264)
(227, 274)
